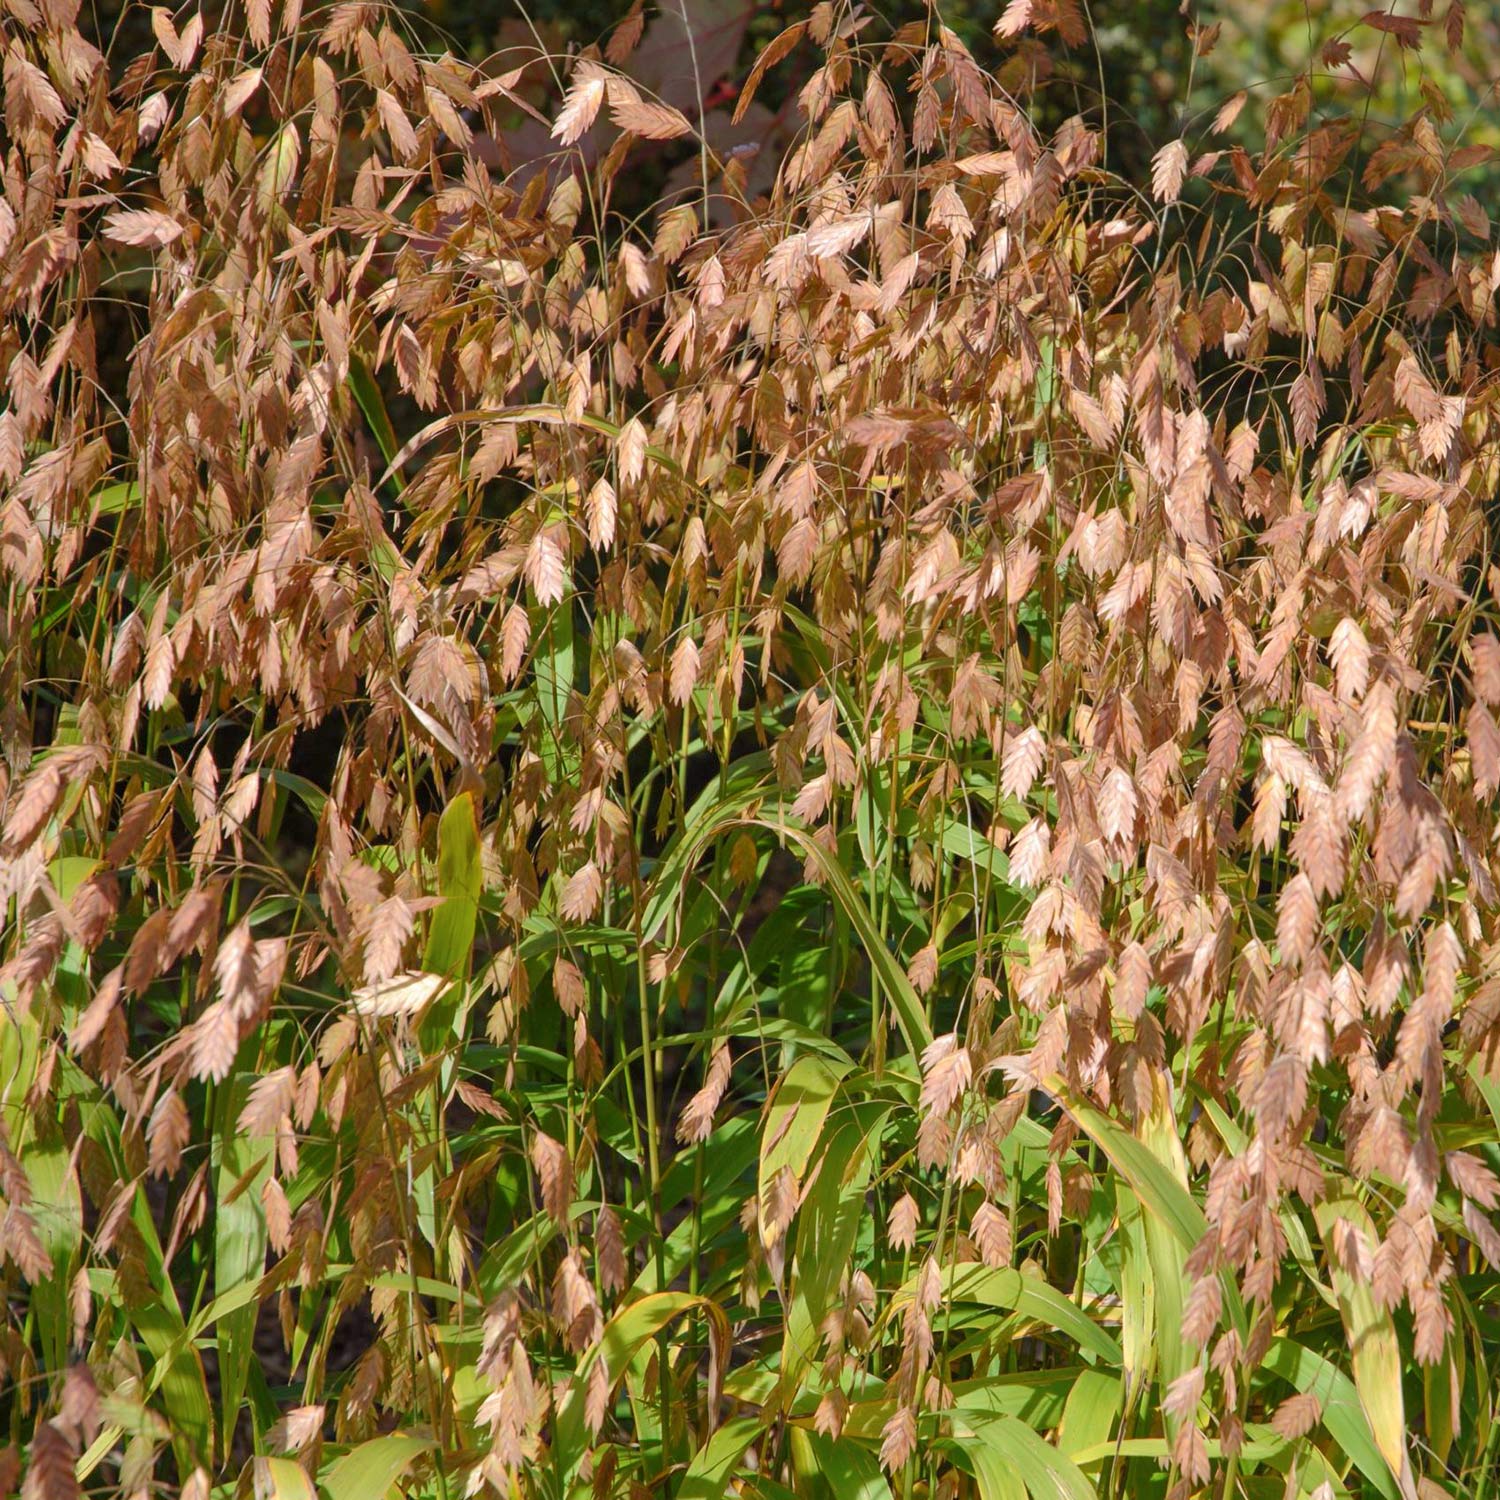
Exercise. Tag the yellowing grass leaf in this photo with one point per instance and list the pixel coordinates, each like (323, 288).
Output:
(1164, 1246)
(1137, 1297)
(1373, 1342)
(1343, 1415)
(368, 1471)
(281, 1479)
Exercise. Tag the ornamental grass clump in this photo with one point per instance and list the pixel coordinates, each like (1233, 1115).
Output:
(808, 818)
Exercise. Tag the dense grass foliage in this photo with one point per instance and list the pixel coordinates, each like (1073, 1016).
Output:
(835, 837)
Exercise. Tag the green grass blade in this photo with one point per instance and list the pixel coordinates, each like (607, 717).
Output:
(369, 1471)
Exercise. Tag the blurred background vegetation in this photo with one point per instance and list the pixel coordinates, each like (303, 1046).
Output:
(1140, 55)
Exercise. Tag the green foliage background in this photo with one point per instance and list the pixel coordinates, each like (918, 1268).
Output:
(502, 1248)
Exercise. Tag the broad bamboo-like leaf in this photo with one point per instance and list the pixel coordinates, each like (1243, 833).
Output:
(793, 1126)
(849, 1469)
(1342, 1411)
(904, 999)
(372, 404)
(714, 1465)
(1137, 1298)
(460, 883)
(1374, 1349)
(827, 1227)
(370, 1469)
(1165, 1249)
(1091, 1413)
(624, 1336)
(999, 1286)
(1161, 1192)
(242, 1165)
(281, 1479)
(1046, 1473)
(177, 1371)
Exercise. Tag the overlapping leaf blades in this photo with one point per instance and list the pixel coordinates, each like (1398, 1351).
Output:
(837, 839)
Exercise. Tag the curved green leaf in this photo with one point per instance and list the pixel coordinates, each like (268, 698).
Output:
(368, 1471)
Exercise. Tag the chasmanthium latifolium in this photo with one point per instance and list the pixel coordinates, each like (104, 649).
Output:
(791, 800)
